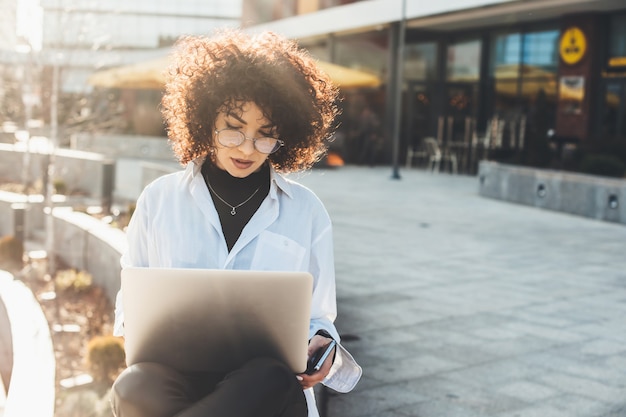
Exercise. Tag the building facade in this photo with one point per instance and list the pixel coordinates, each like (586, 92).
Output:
(71, 39)
(530, 77)
(8, 25)
(86, 35)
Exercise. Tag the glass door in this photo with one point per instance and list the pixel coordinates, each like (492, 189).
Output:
(419, 118)
(460, 107)
(613, 117)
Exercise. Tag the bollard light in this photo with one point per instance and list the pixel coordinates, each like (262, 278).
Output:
(542, 191)
(613, 201)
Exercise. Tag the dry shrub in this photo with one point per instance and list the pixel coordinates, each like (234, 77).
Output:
(105, 358)
(11, 251)
(71, 280)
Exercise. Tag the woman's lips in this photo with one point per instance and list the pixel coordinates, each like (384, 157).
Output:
(242, 163)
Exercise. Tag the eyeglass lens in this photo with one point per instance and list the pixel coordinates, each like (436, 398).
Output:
(232, 138)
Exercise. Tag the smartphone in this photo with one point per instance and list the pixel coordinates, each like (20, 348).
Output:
(316, 361)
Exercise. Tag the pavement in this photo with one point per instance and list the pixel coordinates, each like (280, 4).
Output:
(3, 398)
(457, 305)
(32, 373)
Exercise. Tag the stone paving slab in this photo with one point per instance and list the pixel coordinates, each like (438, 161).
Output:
(459, 305)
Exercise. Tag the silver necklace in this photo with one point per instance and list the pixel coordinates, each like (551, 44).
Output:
(232, 208)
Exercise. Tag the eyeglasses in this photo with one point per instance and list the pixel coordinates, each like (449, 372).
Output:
(232, 138)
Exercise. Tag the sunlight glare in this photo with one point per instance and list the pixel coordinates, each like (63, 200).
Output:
(30, 22)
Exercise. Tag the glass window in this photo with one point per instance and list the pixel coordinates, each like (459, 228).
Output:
(540, 59)
(421, 114)
(320, 51)
(263, 11)
(540, 64)
(537, 51)
(531, 56)
(421, 61)
(505, 55)
(618, 36)
(365, 52)
(463, 63)
(617, 42)
(461, 105)
(541, 53)
(613, 121)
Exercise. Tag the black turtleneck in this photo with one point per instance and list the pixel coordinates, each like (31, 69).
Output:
(235, 191)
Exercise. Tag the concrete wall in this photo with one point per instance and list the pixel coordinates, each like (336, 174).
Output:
(138, 160)
(102, 178)
(86, 173)
(33, 213)
(584, 195)
(132, 175)
(124, 146)
(81, 241)
(86, 243)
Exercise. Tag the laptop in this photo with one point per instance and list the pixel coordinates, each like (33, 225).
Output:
(215, 320)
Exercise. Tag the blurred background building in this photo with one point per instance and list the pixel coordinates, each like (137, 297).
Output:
(91, 34)
(533, 82)
(79, 37)
(521, 75)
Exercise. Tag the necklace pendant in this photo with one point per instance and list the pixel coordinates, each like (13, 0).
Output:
(233, 212)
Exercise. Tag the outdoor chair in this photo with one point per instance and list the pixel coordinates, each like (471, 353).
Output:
(436, 156)
(416, 152)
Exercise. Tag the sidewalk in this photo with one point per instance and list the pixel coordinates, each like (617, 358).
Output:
(33, 370)
(461, 306)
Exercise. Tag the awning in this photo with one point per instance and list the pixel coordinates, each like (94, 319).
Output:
(345, 77)
(151, 75)
(142, 75)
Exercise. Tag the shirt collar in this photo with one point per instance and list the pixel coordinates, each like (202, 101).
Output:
(277, 181)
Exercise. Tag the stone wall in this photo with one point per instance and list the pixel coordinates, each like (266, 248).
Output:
(86, 173)
(86, 243)
(590, 196)
(81, 241)
(33, 216)
(124, 146)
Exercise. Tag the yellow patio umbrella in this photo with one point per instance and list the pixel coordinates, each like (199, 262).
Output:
(151, 75)
(142, 75)
(345, 77)
(535, 79)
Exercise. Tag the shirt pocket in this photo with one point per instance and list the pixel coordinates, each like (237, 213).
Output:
(276, 252)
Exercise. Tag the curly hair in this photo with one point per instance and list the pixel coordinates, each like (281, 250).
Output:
(220, 73)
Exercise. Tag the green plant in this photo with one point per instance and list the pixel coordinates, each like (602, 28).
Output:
(11, 251)
(605, 165)
(60, 186)
(105, 357)
(72, 280)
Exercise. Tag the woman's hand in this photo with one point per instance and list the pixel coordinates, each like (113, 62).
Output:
(317, 342)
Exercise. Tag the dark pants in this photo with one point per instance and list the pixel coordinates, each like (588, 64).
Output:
(261, 388)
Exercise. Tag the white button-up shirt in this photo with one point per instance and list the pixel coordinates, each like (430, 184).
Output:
(176, 225)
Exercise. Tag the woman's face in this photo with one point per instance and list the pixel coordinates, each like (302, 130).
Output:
(242, 160)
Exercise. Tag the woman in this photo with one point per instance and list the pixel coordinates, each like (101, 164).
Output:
(240, 110)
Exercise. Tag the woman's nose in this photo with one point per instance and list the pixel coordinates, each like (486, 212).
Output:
(247, 146)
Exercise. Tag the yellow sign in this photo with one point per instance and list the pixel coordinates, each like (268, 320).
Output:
(573, 45)
(617, 62)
